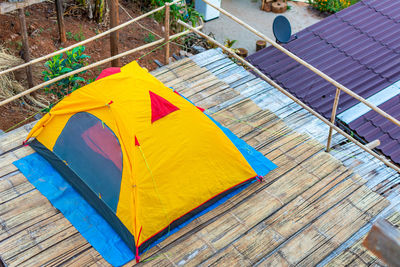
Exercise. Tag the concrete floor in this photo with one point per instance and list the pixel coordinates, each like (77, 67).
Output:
(224, 28)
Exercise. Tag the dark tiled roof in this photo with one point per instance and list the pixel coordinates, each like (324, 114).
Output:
(360, 48)
(372, 126)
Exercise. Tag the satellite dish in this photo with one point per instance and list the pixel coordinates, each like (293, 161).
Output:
(282, 29)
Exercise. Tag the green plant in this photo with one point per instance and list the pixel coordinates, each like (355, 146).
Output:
(331, 6)
(69, 35)
(59, 65)
(149, 38)
(99, 10)
(229, 43)
(180, 11)
(191, 15)
(90, 80)
(79, 36)
(27, 13)
(19, 45)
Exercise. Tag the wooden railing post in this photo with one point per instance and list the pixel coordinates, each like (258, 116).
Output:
(60, 20)
(88, 40)
(307, 65)
(286, 93)
(114, 36)
(333, 118)
(25, 46)
(166, 35)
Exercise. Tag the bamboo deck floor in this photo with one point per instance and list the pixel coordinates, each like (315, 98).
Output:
(303, 212)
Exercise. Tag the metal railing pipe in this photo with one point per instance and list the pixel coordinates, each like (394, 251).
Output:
(333, 119)
(36, 60)
(267, 79)
(33, 89)
(307, 65)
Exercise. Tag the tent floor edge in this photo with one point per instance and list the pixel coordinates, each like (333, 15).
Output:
(83, 189)
(193, 214)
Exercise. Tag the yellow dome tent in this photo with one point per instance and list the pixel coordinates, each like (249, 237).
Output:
(144, 157)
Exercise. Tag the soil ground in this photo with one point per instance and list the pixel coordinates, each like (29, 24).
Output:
(44, 39)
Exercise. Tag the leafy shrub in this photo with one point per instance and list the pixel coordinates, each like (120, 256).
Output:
(149, 38)
(59, 65)
(331, 6)
(181, 11)
(69, 35)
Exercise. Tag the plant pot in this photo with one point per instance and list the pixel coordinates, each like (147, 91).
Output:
(267, 5)
(279, 7)
(242, 52)
(260, 44)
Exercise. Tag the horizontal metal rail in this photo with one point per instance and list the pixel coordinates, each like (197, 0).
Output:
(307, 65)
(88, 40)
(267, 79)
(98, 63)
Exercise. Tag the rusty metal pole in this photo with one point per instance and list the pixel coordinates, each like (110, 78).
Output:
(25, 46)
(114, 36)
(60, 20)
(333, 117)
(166, 36)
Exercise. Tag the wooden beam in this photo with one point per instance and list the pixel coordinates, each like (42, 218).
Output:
(7, 7)
(166, 36)
(333, 118)
(384, 241)
(307, 65)
(98, 63)
(25, 46)
(60, 20)
(85, 41)
(274, 84)
(114, 36)
(373, 144)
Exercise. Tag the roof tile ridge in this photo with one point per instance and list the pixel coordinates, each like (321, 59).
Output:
(350, 56)
(356, 60)
(380, 12)
(380, 128)
(368, 35)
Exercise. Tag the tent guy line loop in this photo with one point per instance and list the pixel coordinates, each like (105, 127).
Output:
(148, 247)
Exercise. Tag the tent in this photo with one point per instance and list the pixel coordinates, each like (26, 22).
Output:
(143, 156)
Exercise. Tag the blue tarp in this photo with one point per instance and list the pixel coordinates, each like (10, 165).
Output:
(89, 223)
(70, 203)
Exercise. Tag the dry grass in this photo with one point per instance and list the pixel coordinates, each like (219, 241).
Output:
(8, 85)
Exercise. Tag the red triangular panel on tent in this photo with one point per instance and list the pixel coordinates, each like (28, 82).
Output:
(108, 72)
(136, 142)
(200, 108)
(160, 107)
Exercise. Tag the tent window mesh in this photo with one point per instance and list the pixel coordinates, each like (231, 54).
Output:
(90, 148)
